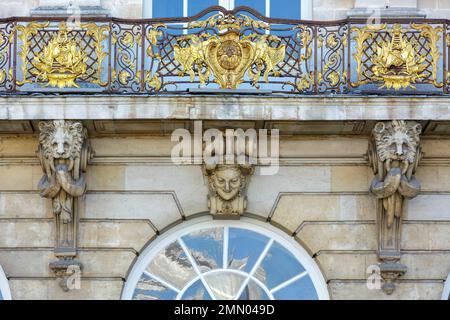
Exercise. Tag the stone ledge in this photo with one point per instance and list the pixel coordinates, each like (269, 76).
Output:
(185, 107)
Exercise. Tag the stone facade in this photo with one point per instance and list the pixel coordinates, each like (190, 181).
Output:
(134, 194)
(131, 193)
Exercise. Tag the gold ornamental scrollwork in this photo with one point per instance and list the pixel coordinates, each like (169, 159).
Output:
(24, 34)
(153, 35)
(433, 35)
(99, 33)
(229, 56)
(4, 73)
(361, 38)
(61, 62)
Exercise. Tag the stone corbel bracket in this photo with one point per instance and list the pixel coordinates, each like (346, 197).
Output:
(394, 154)
(64, 152)
(228, 184)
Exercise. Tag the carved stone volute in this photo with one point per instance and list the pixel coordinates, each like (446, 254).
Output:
(394, 154)
(64, 152)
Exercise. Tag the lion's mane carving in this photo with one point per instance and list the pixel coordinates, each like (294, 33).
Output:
(61, 139)
(397, 141)
(394, 154)
(63, 153)
(394, 158)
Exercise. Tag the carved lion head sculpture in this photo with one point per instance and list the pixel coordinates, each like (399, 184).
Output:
(61, 139)
(397, 140)
(228, 181)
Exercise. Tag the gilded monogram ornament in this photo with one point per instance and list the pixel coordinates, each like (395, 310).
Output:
(229, 56)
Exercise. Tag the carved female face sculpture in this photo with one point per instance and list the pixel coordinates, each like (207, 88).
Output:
(226, 181)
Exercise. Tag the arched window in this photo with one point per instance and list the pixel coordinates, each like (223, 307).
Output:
(223, 260)
(5, 293)
(288, 9)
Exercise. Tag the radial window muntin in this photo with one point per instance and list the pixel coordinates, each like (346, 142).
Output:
(176, 237)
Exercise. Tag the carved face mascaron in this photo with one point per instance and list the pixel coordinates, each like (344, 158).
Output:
(61, 139)
(397, 141)
(226, 181)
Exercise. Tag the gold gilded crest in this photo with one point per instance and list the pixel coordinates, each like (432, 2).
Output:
(229, 56)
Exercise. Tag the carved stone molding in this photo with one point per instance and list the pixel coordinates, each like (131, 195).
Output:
(394, 154)
(228, 184)
(64, 152)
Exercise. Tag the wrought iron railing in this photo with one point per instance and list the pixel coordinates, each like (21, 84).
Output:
(238, 49)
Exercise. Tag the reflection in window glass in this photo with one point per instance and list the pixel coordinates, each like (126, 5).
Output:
(272, 272)
(226, 285)
(302, 289)
(148, 288)
(244, 248)
(162, 9)
(285, 9)
(195, 6)
(197, 291)
(258, 5)
(253, 292)
(172, 265)
(192, 268)
(206, 247)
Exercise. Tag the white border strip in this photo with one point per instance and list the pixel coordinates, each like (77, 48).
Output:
(4, 286)
(446, 292)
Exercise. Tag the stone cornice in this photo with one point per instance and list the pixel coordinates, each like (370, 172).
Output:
(226, 107)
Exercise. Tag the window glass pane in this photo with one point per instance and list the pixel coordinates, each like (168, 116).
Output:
(286, 9)
(302, 289)
(206, 247)
(172, 265)
(244, 248)
(166, 9)
(253, 292)
(195, 6)
(225, 285)
(278, 266)
(149, 289)
(196, 292)
(258, 5)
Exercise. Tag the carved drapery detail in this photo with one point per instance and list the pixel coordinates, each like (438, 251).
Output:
(394, 154)
(228, 184)
(64, 152)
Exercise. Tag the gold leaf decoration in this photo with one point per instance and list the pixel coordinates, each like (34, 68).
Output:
(228, 56)
(396, 63)
(61, 61)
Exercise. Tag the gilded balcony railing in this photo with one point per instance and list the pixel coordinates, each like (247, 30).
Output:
(238, 49)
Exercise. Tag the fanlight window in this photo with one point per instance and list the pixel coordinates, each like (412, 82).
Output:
(225, 261)
(5, 293)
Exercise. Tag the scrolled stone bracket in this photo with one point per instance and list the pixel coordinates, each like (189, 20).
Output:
(64, 152)
(394, 154)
